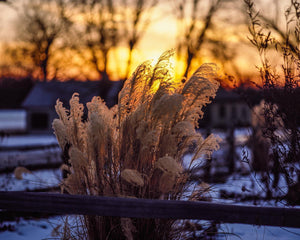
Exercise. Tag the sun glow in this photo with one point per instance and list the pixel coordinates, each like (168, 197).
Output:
(162, 34)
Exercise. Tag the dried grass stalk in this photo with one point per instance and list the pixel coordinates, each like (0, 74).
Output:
(136, 148)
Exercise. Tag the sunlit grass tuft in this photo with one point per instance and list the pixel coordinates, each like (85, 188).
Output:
(136, 148)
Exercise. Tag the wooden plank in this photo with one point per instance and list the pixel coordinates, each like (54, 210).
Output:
(147, 208)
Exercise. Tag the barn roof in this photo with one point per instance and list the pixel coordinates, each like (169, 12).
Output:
(45, 94)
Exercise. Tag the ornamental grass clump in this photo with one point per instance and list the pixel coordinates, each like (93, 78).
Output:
(136, 148)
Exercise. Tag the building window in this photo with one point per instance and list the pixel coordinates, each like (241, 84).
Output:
(245, 114)
(233, 112)
(39, 121)
(222, 111)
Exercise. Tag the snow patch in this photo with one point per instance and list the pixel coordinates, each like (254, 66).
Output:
(12, 120)
(39, 179)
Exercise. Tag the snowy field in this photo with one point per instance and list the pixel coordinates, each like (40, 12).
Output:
(43, 229)
(50, 156)
(12, 120)
(28, 140)
(48, 152)
(39, 179)
(30, 229)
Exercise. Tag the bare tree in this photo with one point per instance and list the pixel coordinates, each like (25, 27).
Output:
(289, 31)
(18, 61)
(194, 27)
(137, 17)
(39, 27)
(98, 33)
(281, 100)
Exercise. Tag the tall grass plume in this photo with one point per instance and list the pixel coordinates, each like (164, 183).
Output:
(136, 148)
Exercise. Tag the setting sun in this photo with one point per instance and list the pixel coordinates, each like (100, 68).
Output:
(83, 59)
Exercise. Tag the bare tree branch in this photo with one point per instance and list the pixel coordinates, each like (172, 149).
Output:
(195, 29)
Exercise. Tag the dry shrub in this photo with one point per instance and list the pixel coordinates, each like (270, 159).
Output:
(136, 148)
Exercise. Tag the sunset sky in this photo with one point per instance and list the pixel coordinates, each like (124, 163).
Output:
(161, 36)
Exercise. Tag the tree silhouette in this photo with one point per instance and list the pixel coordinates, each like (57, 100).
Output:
(281, 97)
(137, 16)
(198, 29)
(194, 33)
(40, 25)
(98, 33)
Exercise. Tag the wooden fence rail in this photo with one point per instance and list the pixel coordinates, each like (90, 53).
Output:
(147, 208)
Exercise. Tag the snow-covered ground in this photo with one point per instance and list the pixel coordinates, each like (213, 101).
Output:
(28, 140)
(248, 190)
(12, 120)
(42, 228)
(38, 229)
(35, 229)
(38, 179)
(12, 154)
(38, 157)
(249, 232)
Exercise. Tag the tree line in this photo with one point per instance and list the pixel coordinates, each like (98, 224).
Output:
(82, 35)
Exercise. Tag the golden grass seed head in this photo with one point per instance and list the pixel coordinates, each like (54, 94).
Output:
(168, 164)
(77, 158)
(183, 129)
(60, 132)
(167, 107)
(132, 177)
(167, 182)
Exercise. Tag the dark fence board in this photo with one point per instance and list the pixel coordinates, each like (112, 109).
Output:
(148, 208)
